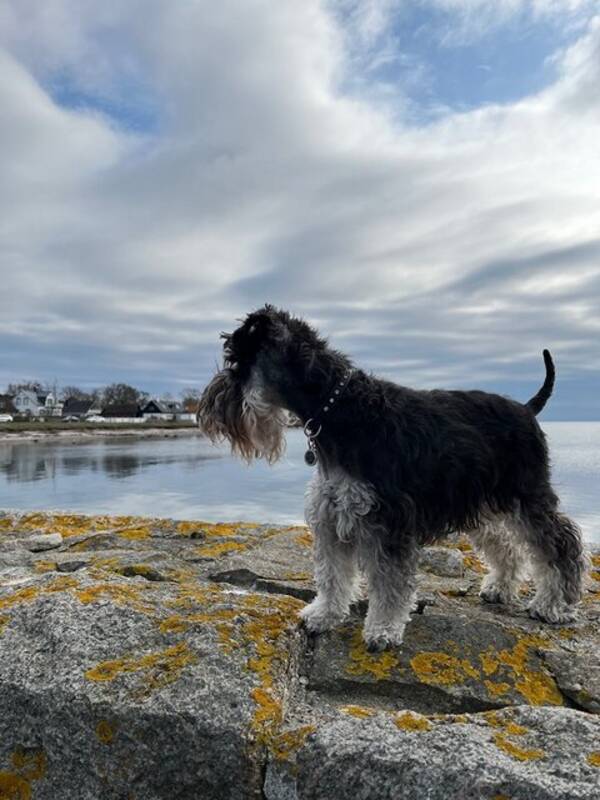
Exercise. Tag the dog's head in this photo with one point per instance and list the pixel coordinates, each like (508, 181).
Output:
(246, 401)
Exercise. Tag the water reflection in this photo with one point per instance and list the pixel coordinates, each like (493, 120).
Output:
(27, 462)
(187, 478)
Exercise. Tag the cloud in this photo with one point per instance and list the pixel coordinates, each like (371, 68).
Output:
(446, 253)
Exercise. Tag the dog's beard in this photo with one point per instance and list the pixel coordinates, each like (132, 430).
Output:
(241, 415)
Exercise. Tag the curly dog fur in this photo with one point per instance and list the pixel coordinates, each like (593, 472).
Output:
(397, 468)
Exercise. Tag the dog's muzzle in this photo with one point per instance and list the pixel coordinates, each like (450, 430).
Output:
(237, 412)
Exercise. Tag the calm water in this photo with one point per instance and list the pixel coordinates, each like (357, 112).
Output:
(187, 478)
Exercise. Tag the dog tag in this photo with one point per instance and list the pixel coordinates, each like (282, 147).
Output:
(310, 457)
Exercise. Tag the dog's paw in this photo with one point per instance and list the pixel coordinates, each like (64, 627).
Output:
(554, 615)
(377, 641)
(498, 595)
(316, 617)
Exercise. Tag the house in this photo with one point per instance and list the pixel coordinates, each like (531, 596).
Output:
(125, 412)
(30, 403)
(166, 410)
(53, 405)
(157, 409)
(37, 404)
(78, 408)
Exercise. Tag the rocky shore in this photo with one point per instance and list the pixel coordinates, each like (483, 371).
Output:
(143, 659)
(75, 436)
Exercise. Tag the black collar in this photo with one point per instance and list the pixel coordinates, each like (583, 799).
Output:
(314, 425)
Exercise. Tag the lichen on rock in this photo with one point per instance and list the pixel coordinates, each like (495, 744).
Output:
(146, 654)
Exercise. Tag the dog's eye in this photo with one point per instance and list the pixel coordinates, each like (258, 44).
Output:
(252, 329)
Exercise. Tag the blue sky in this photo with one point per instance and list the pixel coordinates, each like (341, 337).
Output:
(418, 178)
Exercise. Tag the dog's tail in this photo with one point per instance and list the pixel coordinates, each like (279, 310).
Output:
(539, 400)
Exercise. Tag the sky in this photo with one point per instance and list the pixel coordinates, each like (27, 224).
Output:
(420, 179)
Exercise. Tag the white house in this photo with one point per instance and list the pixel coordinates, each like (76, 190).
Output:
(35, 404)
(26, 401)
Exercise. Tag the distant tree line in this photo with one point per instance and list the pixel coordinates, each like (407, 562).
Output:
(113, 394)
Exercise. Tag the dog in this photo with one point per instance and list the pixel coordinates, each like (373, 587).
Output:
(396, 469)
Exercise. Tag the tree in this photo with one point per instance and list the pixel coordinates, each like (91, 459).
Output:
(190, 398)
(29, 386)
(118, 394)
(75, 393)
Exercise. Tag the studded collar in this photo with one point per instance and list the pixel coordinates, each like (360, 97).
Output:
(314, 425)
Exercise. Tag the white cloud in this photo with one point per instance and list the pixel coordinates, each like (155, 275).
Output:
(461, 242)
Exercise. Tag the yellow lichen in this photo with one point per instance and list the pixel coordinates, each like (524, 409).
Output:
(70, 524)
(268, 714)
(441, 669)
(162, 668)
(515, 730)
(13, 787)
(188, 527)
(521, 754)
(6, 523)
(410, 721)
(496, 689)
(472, 562)
(173, 624)
(283, 745)
(61, 584)
(220, 548)
(266, 621)
(30, 764)
(305, 538)
(128, 594)
(20, 596)
(537, 686)
(358, 711)
(45, 566)
(4, 620)
(105, 731)
(222, 529)
(379, 665)
(489, 662)
(33, 521)
(593, 759)
(495, 720)
(567, 633)
(135, 533)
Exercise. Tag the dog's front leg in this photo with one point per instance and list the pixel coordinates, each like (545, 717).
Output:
(336, 579)
(392, 587)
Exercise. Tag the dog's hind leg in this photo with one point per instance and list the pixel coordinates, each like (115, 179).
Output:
(336, 566)
(558, 559)
(500, 542)
(392, 586)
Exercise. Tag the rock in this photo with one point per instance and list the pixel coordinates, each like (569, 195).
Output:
(149, 659)
(41, 542)
(442, 561)
(526, 754)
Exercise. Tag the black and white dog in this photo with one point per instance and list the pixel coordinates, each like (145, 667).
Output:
(397, 468)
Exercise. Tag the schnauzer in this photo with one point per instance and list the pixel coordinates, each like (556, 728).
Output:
(397, 469)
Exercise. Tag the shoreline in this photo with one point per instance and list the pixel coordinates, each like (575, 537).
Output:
(84, 436)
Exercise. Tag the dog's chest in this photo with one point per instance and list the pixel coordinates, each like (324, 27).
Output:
(339, 502)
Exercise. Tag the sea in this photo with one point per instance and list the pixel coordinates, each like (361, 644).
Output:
(188, 478)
